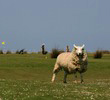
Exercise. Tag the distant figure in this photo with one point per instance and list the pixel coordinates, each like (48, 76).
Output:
(67, 48)
(43, 49)
(21, 51)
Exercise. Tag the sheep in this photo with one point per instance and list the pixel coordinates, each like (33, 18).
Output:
(71, 63)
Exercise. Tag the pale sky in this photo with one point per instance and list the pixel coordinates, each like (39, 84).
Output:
(57, 23)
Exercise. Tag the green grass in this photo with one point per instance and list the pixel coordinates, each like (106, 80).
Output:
(28, 77)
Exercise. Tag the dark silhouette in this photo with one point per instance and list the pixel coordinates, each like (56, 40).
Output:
(43, 49)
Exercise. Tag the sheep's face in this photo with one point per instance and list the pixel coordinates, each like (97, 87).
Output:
(79, 50)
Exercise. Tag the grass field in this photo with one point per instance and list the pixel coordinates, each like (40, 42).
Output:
(28, 77)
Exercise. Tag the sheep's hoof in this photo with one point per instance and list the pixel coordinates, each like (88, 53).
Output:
(52, 81)
(82, 82)
(64, 82)
(75, 82)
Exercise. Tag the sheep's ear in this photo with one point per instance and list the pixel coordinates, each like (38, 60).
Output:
(75, 46)
(83, 46)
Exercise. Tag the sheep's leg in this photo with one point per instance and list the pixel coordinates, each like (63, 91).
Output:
(55, 71)
(81, 75)
(75, 76)
(65, 76)
(53, 77)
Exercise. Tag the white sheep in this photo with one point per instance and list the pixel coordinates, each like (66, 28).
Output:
(71, 62)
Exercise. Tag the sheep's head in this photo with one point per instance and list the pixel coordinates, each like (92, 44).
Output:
(79, 50)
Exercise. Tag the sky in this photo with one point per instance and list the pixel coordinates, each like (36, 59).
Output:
(57, 23)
